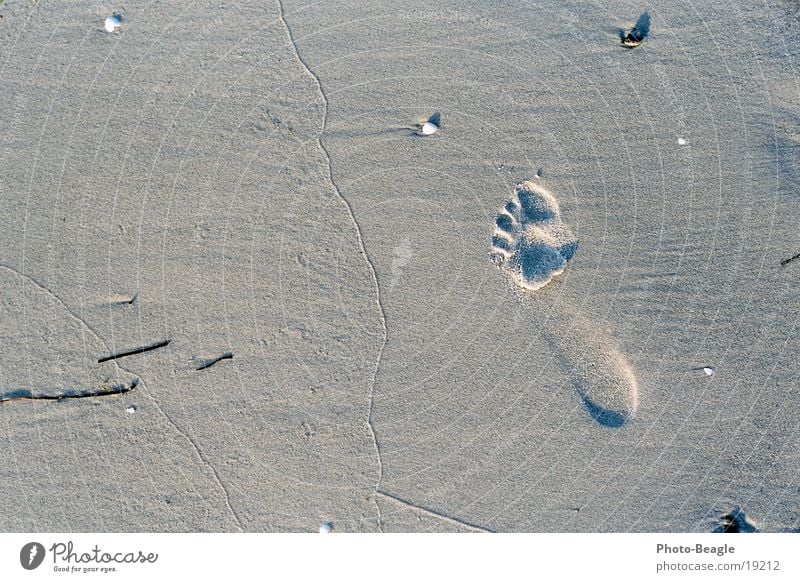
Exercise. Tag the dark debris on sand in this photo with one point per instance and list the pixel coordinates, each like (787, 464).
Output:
(635, 36)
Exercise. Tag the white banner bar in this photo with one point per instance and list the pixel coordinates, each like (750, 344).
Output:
(352, 557)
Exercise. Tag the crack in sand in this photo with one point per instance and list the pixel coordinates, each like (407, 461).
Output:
(433, 513)
(58, 299)
(373, 274)
(202, 458)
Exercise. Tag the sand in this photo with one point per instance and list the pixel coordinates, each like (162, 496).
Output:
(247, 180)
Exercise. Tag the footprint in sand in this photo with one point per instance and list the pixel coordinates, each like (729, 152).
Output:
(530, 241)
(532, 245)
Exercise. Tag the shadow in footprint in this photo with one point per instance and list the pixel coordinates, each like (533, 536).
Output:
(568, 249)
(609, 418)
(530, 242)
(599, 375)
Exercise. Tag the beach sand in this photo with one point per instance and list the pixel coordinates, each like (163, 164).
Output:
(247, 178)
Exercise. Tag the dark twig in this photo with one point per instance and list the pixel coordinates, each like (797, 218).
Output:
(133, 351)
(785, 262)
(638, 33)
(130, 301)
(202, 364)
(41, 394)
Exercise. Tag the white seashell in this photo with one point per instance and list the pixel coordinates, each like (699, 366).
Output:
(326, 528)
(131, 409)
(429, 128)
(113, 23)
(681, 141)
(708, 371)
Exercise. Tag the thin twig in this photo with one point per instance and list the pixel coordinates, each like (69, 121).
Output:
(126, 301)
(40, 394)
(133, 351)
(785, 262)
(202, 364)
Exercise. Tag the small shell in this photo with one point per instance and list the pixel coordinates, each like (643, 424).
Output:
(708, 371)
(326, 528)
(681, 141)
(131, 409)
(429, 128)
(113, 23)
